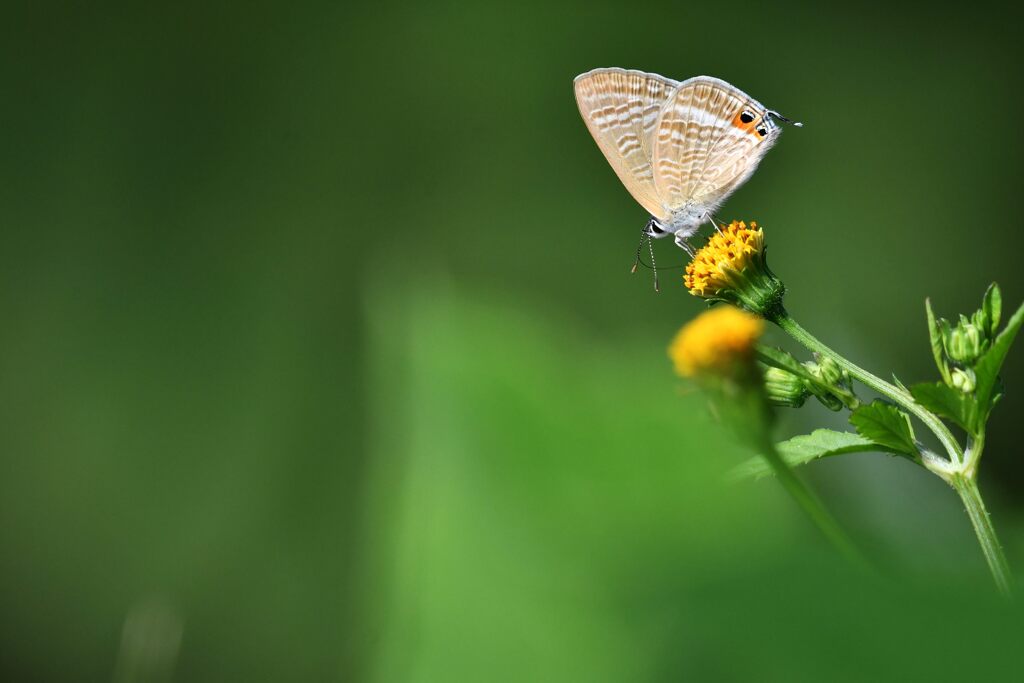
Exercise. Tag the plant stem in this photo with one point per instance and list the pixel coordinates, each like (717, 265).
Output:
(812, 505)
(967, 488)
(975, 447)
(962, 477)
(897, 395)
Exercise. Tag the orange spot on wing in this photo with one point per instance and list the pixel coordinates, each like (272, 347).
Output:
(746, 127)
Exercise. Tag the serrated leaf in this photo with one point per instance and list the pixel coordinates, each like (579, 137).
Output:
(947, 402)
(886, 425)
(935, 337)
(988, 366)
(800, 450)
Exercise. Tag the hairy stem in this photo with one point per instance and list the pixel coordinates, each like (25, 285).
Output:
(967, 489)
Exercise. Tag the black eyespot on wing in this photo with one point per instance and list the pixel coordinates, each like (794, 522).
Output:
(746, 117)
(762, 131)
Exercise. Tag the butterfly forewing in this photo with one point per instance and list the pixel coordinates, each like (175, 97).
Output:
(702, 150)
(622, 109)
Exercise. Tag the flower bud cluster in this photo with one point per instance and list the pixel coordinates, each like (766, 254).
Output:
(958, 348)
(821, 378)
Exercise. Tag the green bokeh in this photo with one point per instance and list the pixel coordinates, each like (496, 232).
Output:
(319, 345)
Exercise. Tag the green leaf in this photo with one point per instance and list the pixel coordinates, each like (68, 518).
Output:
(887, 426)
(947, 402)
(987, 368)
(991, 309)
(800, 450)
(935, 336)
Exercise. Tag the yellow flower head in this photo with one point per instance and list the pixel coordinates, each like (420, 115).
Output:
(733, 248)
(731, 267)
(718, 341)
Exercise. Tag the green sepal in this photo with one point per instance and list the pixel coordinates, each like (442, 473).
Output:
(800, 450)
(948, 402)
(887, 426)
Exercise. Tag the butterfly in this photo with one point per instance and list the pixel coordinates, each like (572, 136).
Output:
(680, 148)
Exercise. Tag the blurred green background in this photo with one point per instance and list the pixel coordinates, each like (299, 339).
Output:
(321, 359)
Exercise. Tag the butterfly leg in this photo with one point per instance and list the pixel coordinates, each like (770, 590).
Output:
(684, 245)
(714, 221)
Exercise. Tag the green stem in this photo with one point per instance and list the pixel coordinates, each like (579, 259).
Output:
(812, 505)
(897, 395)
(967, 488)
(961, 477)
(975, 447)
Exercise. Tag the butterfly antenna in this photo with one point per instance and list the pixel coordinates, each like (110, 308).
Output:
(639, 247)
(780, 117)
(654, 266)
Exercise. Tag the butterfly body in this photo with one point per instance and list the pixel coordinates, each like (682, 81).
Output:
(680, 148)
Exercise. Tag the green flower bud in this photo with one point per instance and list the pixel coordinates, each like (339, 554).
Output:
(965, 342)
(784, 388)
(830, 372)
(836, 388)
(964, 380)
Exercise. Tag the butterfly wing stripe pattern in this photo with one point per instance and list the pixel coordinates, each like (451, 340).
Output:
(679, 148)
(621, 109)
(698, 145)
(741, 159)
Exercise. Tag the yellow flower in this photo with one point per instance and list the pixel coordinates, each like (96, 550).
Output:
(731, 248)
(718, 341)
(732, 267)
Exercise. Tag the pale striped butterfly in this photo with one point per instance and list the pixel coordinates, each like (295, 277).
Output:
(680, 148)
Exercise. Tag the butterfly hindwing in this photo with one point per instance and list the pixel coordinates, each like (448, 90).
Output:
(702, 149)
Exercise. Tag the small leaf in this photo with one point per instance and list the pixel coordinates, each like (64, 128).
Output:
(800, 450)
(987, 368)
(887, 426)
(947, 402)
(992, 308)
(935, 336)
